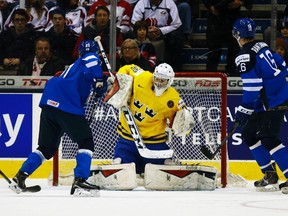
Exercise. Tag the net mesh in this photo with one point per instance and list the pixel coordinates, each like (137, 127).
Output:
(203, 95)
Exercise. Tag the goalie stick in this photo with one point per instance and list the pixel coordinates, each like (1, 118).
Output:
(32, 189)
(204, 149)
(138, 140)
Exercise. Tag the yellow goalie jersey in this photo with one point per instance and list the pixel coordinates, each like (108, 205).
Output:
(149, 111)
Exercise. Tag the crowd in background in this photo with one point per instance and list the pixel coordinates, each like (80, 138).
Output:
(148, 32)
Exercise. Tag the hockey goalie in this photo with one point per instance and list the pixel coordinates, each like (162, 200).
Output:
(152, 102)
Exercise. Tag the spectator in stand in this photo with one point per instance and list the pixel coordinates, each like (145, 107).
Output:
(130, 54)
(283, 25)
(99, 26)
(163, 20)
(185, 13)
(62, 38)
(4, 13)
(75, 15)
(281, 48)
(147, 49)
(50, 3)
(132, 2)
(16, 43)
(43, 63)
(37, 12)
(220, 18)
(123, 13)
(87, 3)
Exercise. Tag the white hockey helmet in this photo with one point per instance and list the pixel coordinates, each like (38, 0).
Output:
(163, 78)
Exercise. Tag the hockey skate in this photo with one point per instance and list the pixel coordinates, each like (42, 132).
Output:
(18, 184)
(81, 187)
(268, 183)
(284, 187)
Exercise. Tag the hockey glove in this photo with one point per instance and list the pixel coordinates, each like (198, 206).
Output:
(100, 86)
(242, 116)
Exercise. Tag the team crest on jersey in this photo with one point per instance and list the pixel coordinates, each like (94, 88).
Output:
(170, 104)
(150, 112)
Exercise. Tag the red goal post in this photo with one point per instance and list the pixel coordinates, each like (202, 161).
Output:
(204, 92)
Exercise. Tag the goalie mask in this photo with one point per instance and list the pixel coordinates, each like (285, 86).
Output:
(162, 78)
(243, 28)
(88, 46)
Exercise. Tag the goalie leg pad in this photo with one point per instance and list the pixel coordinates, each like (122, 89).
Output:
(114, 177)
(180, 177)
(183, 122)
(121, 91)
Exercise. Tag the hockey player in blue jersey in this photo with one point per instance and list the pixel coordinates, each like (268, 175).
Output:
(265, 97)
(62, 105)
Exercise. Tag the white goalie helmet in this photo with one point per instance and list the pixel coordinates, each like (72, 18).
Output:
(163, 78)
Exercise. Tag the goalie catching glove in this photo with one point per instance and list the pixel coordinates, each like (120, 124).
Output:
(242, 115)
(121, 91)
(183, 122)
(100, 86)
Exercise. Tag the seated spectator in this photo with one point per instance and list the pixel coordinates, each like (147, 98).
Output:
(43, 63)
(99, 26)
(163, 20)
(130, 54)
(132, 2)
(61, 37)
(281, 48)
(50, 3)
(123, 13)
(147, 49)
(16, 43)
(75, 15)
(37, 12)
(4, 13)
(185, 13)
(283, 25)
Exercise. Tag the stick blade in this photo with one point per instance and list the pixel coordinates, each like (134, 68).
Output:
(147, 153)
(204, 149)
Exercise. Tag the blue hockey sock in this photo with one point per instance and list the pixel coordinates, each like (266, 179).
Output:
(280, 155)
(33, 161)
(83, 160)
(262, 156)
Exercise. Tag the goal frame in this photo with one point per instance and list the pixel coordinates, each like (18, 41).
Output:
(223, 162)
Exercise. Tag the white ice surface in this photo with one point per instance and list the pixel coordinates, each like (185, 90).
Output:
(54, 201)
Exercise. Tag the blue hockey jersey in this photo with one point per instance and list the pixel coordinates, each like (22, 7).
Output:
(260, 67)
(69, 92)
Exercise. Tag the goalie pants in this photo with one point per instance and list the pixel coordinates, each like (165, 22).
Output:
(128, 152)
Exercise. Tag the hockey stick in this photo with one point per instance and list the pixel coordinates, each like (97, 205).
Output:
(33, 189)
(204, 149)
(138, 140)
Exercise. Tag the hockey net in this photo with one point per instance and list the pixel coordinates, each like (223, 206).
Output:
(205, 93)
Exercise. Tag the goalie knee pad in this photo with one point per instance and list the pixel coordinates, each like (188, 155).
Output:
(86, 144)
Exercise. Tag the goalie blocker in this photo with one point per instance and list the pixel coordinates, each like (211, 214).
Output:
(156, 177)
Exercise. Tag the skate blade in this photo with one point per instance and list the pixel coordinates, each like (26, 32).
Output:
(284, 190)
(14, 187)
(268, 188)
(80, 192)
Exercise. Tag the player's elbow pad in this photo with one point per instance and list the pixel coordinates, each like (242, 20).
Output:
(183, 122)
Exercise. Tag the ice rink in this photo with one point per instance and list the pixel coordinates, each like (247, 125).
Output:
(54, 201)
